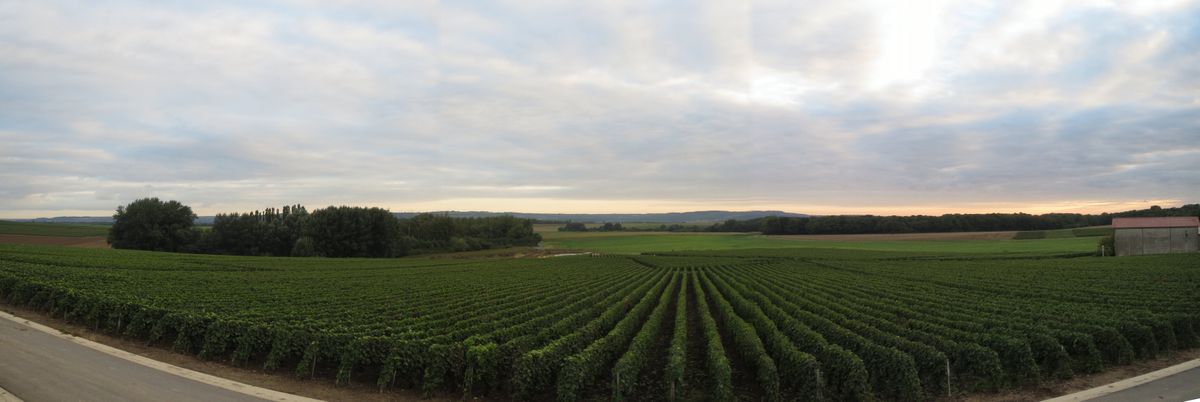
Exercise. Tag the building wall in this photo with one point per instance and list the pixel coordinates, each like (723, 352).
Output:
(1136, 241)
(1128, 242)
(1156, 240)
(1185, 240)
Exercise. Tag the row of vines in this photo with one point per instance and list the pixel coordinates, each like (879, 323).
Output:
(648, 327)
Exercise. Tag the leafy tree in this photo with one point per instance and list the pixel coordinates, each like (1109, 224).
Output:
(1107, 245)
(330, 232)
(151, 224)
(439, 232)
(269, 232)
(354, 232)
(304, 248)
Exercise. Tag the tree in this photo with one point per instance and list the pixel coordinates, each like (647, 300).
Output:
(354, 232)
(1107, 246)
(151, 224)
(573, 227)
(269, 232)
(304, 248)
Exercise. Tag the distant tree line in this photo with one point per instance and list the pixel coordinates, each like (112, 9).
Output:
(580, 227)
(872, 224)
(1186, 210)
(859, 224)
(151, 224)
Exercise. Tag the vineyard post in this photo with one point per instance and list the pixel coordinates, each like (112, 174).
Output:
(393, 383)
(313, 373)
(947, 378)
(617, 385)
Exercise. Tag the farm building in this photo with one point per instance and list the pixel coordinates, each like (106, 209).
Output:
(1137, 236)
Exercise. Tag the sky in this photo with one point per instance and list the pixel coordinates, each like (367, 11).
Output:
(820, 107)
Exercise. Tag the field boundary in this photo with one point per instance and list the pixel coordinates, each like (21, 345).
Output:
(1127, 383)
(215, 381)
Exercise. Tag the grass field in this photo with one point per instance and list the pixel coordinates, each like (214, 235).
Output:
(552, 228)
(1095, 231)
(755, 324)
(634, 243)
(52, 229)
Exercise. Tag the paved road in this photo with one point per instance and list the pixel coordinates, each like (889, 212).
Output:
(1184, 386)
(36, 366)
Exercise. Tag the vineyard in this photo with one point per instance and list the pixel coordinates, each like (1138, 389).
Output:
(746, 324)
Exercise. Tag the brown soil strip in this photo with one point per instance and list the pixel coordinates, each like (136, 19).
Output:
(905, 236)
(279, 381)
(86, 242)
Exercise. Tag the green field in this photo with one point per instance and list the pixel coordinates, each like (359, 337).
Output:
(551, 229)
(753, 324)
(634, 243)
(1064, 233)
(52, 229)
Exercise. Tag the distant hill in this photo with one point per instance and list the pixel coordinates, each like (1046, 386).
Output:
(88, 220)
(668, 217)
(94, 220)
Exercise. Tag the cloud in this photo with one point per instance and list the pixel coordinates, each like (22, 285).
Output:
(844, 106)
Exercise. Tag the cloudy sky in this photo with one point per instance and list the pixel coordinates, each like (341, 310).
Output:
(600, 106)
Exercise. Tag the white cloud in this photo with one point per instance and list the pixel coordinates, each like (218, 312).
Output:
(765, 103)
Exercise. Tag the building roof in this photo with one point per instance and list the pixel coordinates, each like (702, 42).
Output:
(1163, 222)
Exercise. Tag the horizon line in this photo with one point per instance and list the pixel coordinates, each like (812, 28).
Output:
(513, 212)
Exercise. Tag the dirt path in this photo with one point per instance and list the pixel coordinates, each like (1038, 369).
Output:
(86, 242)
(905, 236)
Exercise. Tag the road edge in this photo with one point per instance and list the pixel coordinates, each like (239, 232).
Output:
(193, 375)
(1127, 383)
(6, 396)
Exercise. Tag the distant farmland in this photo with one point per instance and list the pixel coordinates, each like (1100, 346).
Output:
(773, 324)
(53, 234)
(52, 229)
(638, 242)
